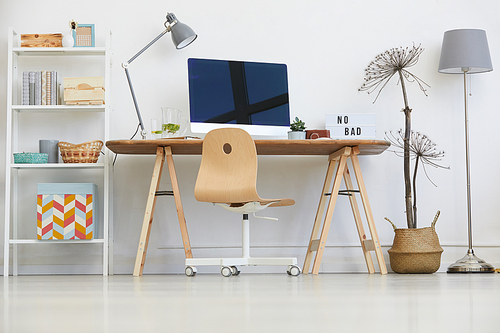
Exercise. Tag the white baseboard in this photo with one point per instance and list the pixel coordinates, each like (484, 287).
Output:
(336, 259)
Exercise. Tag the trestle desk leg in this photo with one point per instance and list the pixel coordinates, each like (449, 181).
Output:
(318, 244)
(329, 214)
(178, 203)
(359, 222)
(368, 211)
(313, 246)
(148, 215)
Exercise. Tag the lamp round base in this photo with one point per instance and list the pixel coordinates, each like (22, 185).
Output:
(470, 264)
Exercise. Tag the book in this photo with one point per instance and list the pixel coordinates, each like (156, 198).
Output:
(44, 88)
(38, 88)
(32, 87)
(26, 88)
(56, 82)
(49, 87)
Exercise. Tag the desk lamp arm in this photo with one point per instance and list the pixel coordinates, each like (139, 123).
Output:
(129, 80)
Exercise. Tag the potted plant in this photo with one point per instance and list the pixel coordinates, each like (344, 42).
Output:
(414, 250)
(297, 128)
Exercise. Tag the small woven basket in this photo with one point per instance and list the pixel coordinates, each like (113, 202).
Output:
(87, 152)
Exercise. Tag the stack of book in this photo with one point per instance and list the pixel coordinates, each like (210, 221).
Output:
(41, 88)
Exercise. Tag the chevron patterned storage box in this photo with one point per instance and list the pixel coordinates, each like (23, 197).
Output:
(66, 211)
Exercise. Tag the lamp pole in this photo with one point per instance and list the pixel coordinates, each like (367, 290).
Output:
(469, 263)
(129, 80)
(467, 161)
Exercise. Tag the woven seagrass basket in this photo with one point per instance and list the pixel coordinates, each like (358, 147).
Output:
(415, 251)
(87, 152)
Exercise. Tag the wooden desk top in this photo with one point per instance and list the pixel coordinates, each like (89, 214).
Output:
(264, 147)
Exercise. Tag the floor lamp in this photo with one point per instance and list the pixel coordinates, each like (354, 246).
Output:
(465, 51)
(182, 36)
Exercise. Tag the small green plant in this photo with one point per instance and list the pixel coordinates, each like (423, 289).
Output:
(297, 125)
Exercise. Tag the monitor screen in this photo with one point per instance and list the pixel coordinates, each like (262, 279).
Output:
(248, 95)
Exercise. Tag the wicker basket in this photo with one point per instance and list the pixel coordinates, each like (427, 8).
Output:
(87, 152)
(415, 251)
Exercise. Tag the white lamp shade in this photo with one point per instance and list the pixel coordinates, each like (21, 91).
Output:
(465, 49)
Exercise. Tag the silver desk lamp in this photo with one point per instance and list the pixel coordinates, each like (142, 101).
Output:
(182, 36)
(465, 51)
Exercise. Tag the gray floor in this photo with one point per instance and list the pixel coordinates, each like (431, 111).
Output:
(252, 303)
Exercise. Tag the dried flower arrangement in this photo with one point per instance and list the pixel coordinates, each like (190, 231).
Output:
(422, 149)
(377, 76)
(73, 24)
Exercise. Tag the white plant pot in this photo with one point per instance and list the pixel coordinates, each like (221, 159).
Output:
(296, 135)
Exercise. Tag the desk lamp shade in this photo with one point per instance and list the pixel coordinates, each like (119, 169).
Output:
(465, 48)
(182, 34)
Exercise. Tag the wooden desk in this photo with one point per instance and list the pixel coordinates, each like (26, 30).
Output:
(337, 150)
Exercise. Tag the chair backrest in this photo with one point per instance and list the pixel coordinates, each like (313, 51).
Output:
(228, 170)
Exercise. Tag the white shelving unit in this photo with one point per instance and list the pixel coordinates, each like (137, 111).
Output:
(18, 115)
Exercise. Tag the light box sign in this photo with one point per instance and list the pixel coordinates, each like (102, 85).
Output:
(351, 125)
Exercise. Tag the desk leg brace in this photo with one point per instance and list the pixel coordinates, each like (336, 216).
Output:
(316, 244)
(150, 208)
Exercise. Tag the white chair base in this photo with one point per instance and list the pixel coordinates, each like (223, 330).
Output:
(228, 265)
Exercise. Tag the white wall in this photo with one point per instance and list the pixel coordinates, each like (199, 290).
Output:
(326, 45)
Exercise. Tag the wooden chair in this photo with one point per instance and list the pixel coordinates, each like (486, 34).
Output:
(227, 177)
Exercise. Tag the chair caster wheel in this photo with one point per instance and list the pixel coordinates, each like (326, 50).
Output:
(235, 271)
(190, 271)
(226, 271)
(293, 270)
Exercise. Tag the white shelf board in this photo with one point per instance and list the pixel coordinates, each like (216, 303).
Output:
(57, 166)
(59, 108)
(59, 51)
(54, 242)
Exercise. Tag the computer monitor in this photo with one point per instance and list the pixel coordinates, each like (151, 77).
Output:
(248, 95)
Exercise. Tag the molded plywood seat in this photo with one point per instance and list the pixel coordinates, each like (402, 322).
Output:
(228, 177)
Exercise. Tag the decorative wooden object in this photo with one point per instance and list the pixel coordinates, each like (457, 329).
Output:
(41, 40)
(84, 90)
